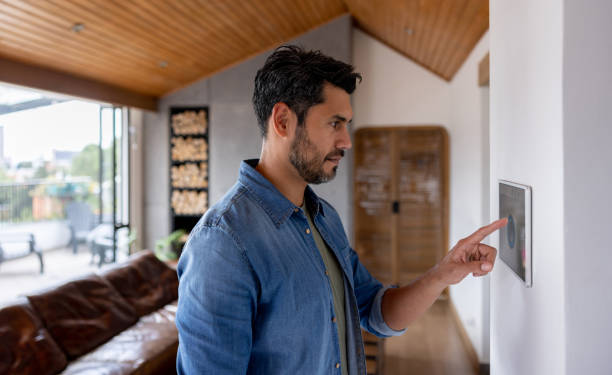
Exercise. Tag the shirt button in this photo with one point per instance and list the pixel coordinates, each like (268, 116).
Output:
(296, 209)
(337, 365)
(334, 319)
(307, 231)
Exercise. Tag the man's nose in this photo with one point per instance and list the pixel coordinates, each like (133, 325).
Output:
(344, 142)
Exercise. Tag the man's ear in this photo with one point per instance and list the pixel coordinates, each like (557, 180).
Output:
(281, 120)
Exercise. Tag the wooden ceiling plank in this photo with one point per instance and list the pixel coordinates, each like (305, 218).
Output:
(111, 34)
(438, 29)
(160, 28)
(397, 24)
(26, 48)
(302, 10)
(469, 34)
(314, 9)
(59, 27)
(235, 44)
(231, 29)
(470, 37)
(203, 33)
(262, 11)
(408, 19)
(36, 26)
(47, 79)
(282, 19)
(79, 47)
(432, 11)
(439, 59)
(242, 26)
(420, 30)
(211, 25)
(20, 51)
(168, 43)
(300, 20)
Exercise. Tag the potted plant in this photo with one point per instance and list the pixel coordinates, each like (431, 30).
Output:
(170, 247)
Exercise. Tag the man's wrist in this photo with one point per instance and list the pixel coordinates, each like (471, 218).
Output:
(434, 278)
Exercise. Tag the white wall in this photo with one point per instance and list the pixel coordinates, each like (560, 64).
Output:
(587, 118)
(397, 91)
(469, 198)
(528, 325)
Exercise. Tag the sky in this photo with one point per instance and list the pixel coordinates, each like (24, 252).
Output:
(34, 133)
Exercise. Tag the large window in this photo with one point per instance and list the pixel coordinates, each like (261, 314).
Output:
(63, 180)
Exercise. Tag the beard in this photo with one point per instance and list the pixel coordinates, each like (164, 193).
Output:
(307, 159)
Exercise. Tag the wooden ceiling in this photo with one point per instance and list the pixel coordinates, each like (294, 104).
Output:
(437, 34)
(148, 48)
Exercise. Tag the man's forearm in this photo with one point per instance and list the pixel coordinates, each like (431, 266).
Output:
(401, 306)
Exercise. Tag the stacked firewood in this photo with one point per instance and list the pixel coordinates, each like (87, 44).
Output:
(190, 175)
(189, 149)
(189, 202)
(189, 122)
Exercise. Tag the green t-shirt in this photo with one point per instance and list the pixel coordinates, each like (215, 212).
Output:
(336, 281)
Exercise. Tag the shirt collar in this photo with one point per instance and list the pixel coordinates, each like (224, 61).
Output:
(276, 205)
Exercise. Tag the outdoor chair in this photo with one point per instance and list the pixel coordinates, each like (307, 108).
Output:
(100, 242)
(81, 220)
(19, 245)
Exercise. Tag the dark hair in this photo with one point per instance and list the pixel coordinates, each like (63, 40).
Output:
(295, 77)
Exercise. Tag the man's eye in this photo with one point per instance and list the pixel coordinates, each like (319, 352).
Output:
(334, 124)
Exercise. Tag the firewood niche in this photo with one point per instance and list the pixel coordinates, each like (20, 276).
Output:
(189, 168)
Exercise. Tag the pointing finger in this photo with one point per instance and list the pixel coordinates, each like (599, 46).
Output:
(483, 232)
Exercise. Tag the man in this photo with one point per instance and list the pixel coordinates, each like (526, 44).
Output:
(268, 281)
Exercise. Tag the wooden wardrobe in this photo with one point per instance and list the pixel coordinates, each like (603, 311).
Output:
(400, 195)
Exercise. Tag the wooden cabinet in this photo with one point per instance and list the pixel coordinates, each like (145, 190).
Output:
(401, 200)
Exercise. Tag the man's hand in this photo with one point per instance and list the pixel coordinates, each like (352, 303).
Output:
(400, 306)
(469, 256)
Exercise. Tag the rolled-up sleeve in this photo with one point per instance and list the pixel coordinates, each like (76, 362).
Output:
(369, 293)
(376, 319)
(217, 300)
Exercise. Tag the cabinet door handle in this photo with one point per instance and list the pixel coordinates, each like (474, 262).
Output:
(395, 207)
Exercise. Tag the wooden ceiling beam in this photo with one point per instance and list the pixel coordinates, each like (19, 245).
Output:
(483, 71)
(23, 74)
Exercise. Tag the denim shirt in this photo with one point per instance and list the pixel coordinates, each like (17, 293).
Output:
(253, 294)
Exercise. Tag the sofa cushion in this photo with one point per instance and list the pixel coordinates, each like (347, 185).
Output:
(26, 347)
(145, 282)
(83, 313)
(148, 347)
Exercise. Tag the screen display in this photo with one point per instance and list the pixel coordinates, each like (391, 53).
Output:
(514, 247)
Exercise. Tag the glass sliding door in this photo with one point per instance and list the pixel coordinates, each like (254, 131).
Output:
(114, 183)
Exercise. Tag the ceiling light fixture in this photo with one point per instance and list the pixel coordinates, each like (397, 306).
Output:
(78, 27)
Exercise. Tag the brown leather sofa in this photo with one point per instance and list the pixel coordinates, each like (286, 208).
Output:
(118, 322)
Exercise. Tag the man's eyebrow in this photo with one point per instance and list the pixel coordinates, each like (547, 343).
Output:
(342, 118)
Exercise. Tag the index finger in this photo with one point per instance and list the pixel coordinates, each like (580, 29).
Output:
(481, 233)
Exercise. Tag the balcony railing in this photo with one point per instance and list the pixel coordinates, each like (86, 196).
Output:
(39, 200)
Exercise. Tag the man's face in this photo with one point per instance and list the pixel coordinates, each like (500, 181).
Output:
(319, 144)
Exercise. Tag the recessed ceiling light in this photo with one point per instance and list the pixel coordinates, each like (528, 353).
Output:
(408, 31)
(78, 27)
(163, 64)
